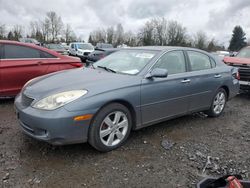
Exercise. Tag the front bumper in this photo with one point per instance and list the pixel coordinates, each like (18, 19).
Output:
(56, 127)
(244, 85)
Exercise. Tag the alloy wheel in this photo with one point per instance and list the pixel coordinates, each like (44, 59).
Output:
(114, 128)
(219, 102)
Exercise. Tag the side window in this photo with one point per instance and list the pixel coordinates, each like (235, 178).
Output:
(173, 61)
(46, 55)
(199, 61)
(17, 52)
(1, 51)
(72, 45)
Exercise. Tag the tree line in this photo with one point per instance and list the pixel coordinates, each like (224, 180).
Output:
(156, 31)
(49, 30)
(160, 32)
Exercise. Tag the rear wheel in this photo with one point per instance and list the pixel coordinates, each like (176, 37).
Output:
(110, 127)
(218, 103)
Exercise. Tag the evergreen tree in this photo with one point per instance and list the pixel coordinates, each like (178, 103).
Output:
(238, 39)
(90, 40)
(10, 36)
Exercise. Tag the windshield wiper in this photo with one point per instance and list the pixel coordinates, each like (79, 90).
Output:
(107, 69)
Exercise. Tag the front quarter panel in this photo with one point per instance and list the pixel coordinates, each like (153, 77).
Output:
(129, 95)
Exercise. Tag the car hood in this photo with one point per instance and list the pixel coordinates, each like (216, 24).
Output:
(96, 81)
(81, 50)
(237, 60)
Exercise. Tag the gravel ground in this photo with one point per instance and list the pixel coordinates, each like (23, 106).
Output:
(176, 153)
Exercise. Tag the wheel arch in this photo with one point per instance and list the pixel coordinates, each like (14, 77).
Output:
(125, 103)
(226, 89)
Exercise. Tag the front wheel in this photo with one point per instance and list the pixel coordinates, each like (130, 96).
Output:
(110, 128)
(218, 103)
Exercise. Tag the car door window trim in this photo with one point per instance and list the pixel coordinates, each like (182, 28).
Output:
(155, 61)
(189, 62)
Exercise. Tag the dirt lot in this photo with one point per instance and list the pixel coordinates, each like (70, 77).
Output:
(201, 147)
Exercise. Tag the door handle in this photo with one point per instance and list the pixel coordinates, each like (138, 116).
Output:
(185, 81)
(39, 63)
(217, 76)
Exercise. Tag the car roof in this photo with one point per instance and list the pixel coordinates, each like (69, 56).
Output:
(164, 48)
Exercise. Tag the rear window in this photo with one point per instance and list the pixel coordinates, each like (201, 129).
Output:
(199, 61)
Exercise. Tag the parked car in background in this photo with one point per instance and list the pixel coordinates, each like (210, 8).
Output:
(242, 61)
(129, 89)
(65, 46)
(99, 54)
(30, 40)
(58, 48)
(103, 45)
(20, 62)
(223, 53)
(81, 50)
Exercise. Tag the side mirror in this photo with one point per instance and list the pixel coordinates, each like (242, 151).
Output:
(158, 73)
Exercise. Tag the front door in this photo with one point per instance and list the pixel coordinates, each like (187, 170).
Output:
(162, 98)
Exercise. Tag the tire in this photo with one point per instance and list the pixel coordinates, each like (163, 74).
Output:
(218, 104)
(110, 128)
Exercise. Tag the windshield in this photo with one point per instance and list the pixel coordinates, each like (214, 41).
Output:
(85, 46)
(104, 45)
(244, 53)
(127, 61)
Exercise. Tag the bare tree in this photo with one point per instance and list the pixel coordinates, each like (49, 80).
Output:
(146, 34)
(69, 34)
(110, 35)
(119, 35)
(56, 24)
(2, 31)
(98, 35)
(176, 34)
(200, 40)
(45, 28)
(160, 31)
(130, 39)
(17, 31)
(36, 31)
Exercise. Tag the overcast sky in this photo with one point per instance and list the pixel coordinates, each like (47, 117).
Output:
(216, 18)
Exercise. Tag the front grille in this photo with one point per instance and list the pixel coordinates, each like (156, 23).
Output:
(244, 74)
(86, 53)
(244, 71)
(26, 101)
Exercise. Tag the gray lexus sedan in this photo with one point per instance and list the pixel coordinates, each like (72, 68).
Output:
(128, 90)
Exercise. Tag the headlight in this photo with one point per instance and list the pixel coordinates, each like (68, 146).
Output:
(60, 99)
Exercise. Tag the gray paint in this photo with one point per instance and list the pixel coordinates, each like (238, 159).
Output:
(152, 99)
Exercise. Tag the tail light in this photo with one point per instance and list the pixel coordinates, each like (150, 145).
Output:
(77, 64)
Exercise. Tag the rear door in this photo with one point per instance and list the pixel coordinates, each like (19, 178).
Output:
(18, 65)
(204, 78)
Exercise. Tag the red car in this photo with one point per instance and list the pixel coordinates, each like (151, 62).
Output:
(20, 62)
(242, 61)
